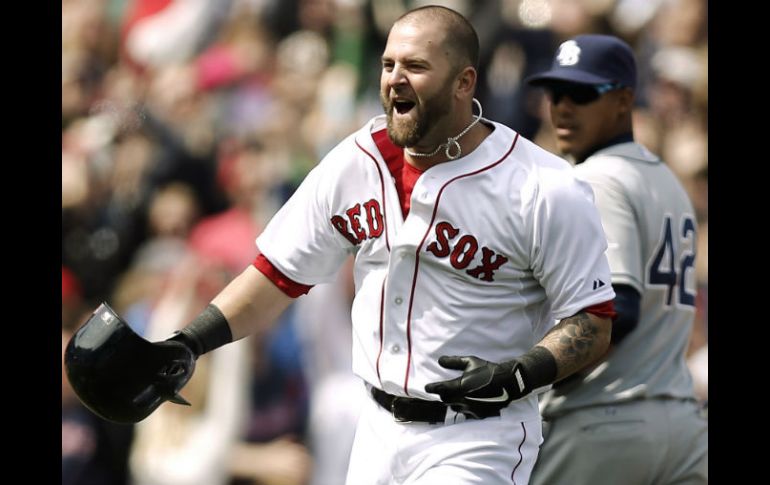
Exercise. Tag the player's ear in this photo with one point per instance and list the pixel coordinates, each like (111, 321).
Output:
(466, 82)
(625, 100)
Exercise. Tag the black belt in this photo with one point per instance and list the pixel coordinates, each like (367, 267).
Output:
(406, 409)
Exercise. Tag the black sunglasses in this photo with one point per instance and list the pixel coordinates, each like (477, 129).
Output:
(579, 93)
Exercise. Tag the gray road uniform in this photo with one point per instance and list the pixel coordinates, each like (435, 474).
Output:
(635, 416)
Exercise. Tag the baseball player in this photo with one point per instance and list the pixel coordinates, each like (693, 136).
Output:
(469, 243)
(633, 418)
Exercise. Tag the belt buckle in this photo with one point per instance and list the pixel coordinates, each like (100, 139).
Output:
(393, 411)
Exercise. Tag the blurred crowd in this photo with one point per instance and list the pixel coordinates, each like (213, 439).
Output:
(187, 123)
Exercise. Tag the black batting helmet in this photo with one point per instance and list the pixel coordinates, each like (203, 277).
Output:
(119, 375)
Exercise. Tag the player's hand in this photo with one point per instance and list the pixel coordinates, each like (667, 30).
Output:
(484, 387)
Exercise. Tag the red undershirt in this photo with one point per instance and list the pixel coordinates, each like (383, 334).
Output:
(404, 174)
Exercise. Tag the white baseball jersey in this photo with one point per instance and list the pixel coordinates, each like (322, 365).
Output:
(496, 245)
(651, 232)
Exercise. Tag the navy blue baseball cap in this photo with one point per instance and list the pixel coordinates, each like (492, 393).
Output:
(591, 59)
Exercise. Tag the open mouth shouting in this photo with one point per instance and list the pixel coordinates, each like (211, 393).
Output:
(402, 106)
(403, 120)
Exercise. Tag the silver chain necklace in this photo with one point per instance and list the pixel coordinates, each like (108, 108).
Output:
(451, 142)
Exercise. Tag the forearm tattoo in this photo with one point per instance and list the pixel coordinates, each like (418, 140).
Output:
(575, 342)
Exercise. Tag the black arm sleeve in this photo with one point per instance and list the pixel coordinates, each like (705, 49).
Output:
(627, 306)
(207, 332)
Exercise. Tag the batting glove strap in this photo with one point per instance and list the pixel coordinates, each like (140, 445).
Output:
(536, 368)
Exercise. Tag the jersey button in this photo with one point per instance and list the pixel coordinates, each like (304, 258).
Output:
(399, 300)
(395, 349)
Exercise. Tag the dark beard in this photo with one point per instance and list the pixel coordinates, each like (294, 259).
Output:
(428, 114)
(409, 136)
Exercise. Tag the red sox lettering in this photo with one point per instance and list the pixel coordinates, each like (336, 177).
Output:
(350, 225)
(461, 253)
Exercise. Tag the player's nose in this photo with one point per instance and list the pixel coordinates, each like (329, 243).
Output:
(561, 102)
(396, 77)
(562, 107)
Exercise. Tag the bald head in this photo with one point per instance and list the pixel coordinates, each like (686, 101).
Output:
(460, 45)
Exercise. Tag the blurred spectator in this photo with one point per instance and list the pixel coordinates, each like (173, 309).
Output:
(72, 305)
(89, 47)
(140, 287)
(173, 211)
(161, 32)
(324, 327)
(272, 450)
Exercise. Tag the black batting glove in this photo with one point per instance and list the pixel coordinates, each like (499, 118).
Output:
(187, 340)
(484, 388)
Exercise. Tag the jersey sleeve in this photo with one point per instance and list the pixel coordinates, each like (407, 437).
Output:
(300, 241)
(568, 247)
(618, 216)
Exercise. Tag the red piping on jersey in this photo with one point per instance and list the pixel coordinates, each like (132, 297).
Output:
(283, 282)
(521, 457)
(382, 187)
(382, 334)
(417, 258)
(387, 245)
